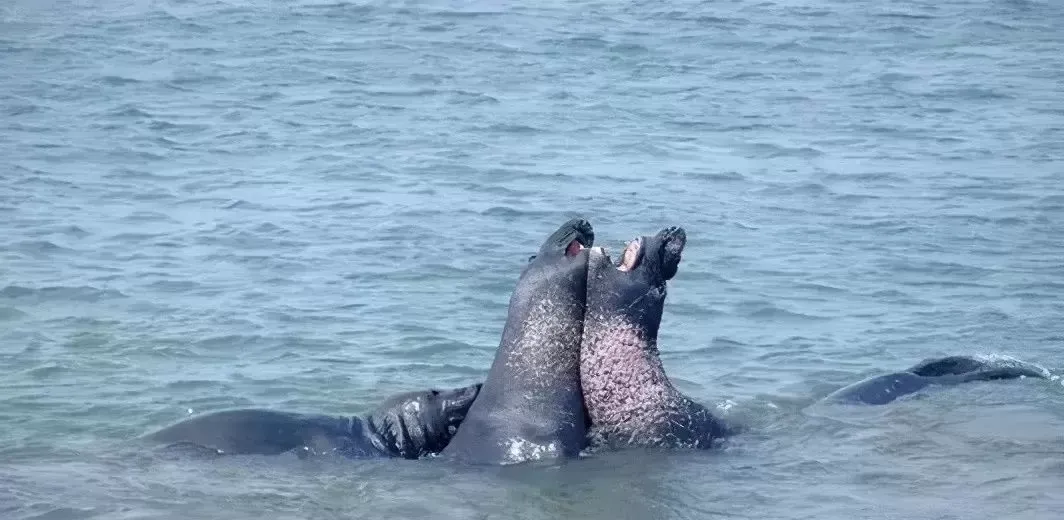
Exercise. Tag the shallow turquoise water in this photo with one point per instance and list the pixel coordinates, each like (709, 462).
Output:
(312, 206)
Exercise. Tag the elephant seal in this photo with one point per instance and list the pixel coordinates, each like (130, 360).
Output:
(408, 425)
(949, 370)
(530, 408)
(630, 400)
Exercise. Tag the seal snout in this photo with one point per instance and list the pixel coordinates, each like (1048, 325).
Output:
(661, 252)
(581, 236)
(673, 241)
(572, 237)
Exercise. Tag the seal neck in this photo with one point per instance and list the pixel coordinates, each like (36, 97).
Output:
(621, 372)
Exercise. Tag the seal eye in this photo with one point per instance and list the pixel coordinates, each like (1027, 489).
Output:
(435, 393)
(531, 258)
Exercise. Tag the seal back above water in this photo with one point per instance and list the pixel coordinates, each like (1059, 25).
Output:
(410, 425)
(944, 371)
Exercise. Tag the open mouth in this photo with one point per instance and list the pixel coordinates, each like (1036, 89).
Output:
(574, 248)
(633, 254)
(583, 236)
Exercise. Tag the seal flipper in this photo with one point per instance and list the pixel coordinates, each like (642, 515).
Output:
(415, 424)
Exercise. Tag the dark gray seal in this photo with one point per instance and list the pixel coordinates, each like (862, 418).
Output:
(949, 370)
(630, 400)
(530, 407)
(409, 425)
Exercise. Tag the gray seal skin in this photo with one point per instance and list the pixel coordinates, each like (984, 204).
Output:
(630, 400)
(530, 408)
(409, 425)
(950, 370)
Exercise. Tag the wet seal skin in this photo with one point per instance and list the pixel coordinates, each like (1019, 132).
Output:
(630, 400)
(530, 408)
(944, 371)
(410, 425)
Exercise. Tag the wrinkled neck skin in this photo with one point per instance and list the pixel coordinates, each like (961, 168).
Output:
(537, 370)
(540, 344)
(624, 383)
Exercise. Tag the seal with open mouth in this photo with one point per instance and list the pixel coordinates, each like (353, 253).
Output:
(530, 407)
(630, 400)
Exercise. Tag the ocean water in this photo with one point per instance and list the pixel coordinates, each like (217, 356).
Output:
(310, 206)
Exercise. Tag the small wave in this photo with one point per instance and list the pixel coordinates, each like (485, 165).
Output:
(905, 16)
(762, 310)
(887, 225)
(724, 176)
(804, 47)
(39, 248)
(134, 238)
(510, 128)
(969, 93)
(175, 286)
(21, 109)
(821, 288)
(343, 206)
(230, 341)
(11, 314)
(117, 81)
(129, 173)
(148, 216)
(878, 178)
(194, 384)
(437, 27)
(424, 348)
(158, 124)
(128, 111)
(196, 80)
(45, 371)
(73, 293)
(629, 48)
(585, 42)
(401, 93)
(472, 98)
(772, 151)
(719, 345)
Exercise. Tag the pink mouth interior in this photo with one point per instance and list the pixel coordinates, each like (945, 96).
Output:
(631, 256)
(574, 248)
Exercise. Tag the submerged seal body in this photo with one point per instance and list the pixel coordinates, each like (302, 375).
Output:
(530, 407)
(630, 400)
(949, 370)
(408, 425)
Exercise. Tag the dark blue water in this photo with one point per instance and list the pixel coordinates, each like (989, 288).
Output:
(311, 206)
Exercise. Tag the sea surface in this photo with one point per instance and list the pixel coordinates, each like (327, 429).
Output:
(310, 206)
